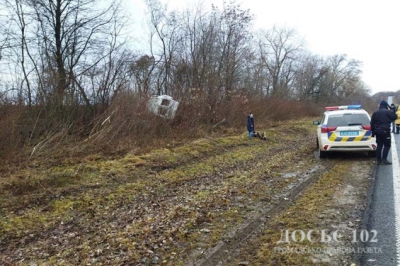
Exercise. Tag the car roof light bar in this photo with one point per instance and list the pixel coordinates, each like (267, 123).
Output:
(343, 107)
(354, 106)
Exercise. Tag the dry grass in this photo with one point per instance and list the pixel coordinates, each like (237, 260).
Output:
(317, 209)
(74, 131)
(159, 205)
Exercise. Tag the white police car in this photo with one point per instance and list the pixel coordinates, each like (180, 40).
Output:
(345, 129)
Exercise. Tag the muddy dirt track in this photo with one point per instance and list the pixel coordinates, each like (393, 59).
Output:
(214, 201)
(342, 212)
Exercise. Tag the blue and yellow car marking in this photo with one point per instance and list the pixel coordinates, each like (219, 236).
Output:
(333, 137)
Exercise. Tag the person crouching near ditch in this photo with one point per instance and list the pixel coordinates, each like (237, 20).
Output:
(250, 125)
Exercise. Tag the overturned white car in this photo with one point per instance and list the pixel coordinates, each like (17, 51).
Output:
(163, 105)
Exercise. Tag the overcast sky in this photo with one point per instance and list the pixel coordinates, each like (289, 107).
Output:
(364, 30)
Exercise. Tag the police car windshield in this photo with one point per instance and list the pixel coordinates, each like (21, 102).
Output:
(341, 120)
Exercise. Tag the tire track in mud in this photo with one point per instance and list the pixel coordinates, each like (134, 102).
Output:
(243, 232)
(193, 182)
(53, 192)
(237, 238)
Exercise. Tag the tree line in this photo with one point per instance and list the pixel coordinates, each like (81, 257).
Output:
(73, 52)
(64, 55)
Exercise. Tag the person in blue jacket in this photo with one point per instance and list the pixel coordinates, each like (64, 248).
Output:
(250, 125)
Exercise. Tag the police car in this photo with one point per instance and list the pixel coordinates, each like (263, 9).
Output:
(345, 128)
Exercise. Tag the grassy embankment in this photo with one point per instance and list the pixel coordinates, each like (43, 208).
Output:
(146, 207)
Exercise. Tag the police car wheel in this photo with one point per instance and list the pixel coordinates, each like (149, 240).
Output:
(372, 154)
(323, 154)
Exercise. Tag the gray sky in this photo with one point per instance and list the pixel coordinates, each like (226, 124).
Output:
(365, 30)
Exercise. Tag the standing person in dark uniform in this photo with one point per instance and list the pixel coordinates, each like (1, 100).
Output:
(250, 125)
(381, 121)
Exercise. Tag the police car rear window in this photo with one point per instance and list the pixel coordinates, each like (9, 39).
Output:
(341, 120)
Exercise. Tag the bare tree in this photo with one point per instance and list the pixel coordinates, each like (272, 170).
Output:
(142, 69)
(73, 34)
(164, 41)
(14, 44)
(234, 36)
(279, 50)
(343, 74)
(308, 77)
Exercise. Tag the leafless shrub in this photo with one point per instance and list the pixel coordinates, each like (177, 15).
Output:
(11, 133)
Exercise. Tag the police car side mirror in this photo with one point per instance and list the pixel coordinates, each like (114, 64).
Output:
(316, 122)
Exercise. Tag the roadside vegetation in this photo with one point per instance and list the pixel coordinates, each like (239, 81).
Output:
(72, 82)
(89, 175)
(160, 205)
(169, 206)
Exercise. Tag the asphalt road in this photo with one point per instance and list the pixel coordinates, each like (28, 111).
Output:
(378, 242)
